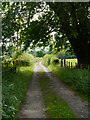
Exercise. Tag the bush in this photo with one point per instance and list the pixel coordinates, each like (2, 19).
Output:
(18, 59)
(7, 65)
(46, 59)
(24, 60)
(54, 60)
(39, 53)
(16, 54)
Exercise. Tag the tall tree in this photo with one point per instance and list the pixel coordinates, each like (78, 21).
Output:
(75, 23)
(69, 20)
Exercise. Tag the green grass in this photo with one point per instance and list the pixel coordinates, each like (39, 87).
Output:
(14, 91)
(36, 59)
(0, 101)
(70, 60)
(56, 106)
(75, 78)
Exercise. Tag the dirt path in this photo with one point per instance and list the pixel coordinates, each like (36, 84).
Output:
(33, 106)
(77, 105)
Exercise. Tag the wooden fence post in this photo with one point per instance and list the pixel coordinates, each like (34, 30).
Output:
(67, 63)
(61, 62)
(71, 64)
(75, 64)
(81, 66)
(88, 67)
(64, 63)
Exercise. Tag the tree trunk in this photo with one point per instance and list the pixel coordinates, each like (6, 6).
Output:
(78, 32)
(81, 49)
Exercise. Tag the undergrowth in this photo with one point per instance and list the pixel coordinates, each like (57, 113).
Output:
(14, 91)
(75, 78)
(56, 106)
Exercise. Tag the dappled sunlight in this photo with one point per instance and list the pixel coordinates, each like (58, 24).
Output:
(49, 42)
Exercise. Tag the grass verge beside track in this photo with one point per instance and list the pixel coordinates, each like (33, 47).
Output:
(14, 91)
(75, 78)
(56, 107)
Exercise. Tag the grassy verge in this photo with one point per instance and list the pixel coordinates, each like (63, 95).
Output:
(14, 91)
(74, 61)
(56, 107)
(75, 78)
(0, 100)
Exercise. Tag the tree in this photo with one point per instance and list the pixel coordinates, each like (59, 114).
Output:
(16, 20)
(75, 24)
(39, 53)
(63, 18)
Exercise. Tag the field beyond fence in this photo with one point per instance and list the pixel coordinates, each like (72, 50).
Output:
(71, 63)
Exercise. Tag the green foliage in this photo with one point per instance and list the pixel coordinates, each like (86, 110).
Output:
(50, 59)
(61, 54)
(56, 106)
(7, 65)
(16, 54)
(39, 54)
(46, 59)
(65, 55)
(74, 62)
(18, 17)
(54, 60)
(19, 59)
(24, 60)
(65, 19)
(13, 93)
(77, 79)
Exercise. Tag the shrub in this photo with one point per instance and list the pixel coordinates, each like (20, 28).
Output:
(46, 59)
(54, 60)
(7, 65)
(39, 53)
(24, 60)
(18, 59)
(16, 54)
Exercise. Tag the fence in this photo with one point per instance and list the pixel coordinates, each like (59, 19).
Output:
(68, 64)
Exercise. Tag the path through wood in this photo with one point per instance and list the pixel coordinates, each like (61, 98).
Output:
(33, 106)
(77, 105)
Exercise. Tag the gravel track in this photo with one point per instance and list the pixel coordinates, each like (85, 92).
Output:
(75, 103)
(33, 106)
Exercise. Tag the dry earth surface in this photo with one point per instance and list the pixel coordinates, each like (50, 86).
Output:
(78, 106)
(33, 106)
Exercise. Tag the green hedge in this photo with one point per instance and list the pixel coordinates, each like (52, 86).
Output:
(50, 59)
(11, 64)
(7, 65)
(54, 60)
(24, 60)
(46, 59)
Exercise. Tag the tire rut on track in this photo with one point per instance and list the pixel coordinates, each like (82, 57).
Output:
(33, 106)
(75, 103)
